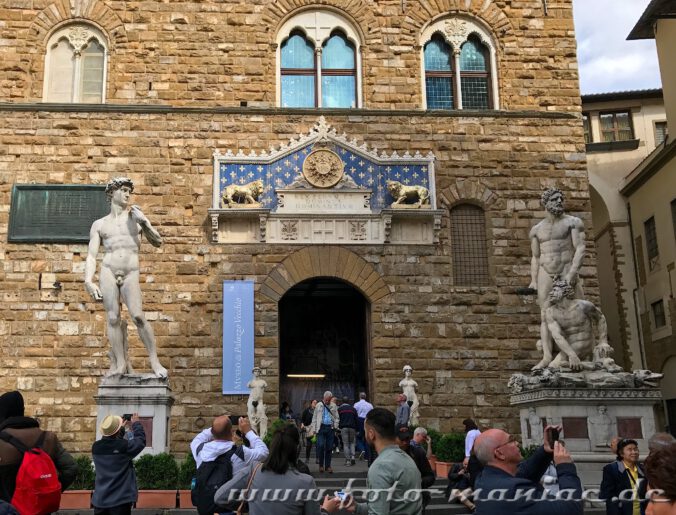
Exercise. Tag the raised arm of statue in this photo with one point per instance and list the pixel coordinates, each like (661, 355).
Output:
(90, 264)
(578, 237)
(150, 232)
(535, 259)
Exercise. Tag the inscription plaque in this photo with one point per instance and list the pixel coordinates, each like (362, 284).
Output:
(55, 212)
(629, 427)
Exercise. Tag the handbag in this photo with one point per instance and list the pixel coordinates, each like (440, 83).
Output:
(244, 505)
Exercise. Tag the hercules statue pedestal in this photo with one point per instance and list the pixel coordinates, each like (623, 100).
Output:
(122, 390)
(577, 383)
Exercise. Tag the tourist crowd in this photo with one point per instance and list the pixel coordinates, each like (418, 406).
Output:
(237, 472)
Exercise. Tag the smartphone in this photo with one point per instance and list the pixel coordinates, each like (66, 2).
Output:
(234, 419)
(553, 437)
(341, 495)
(126, 417)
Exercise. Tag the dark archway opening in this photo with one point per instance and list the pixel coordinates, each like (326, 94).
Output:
(323, 341)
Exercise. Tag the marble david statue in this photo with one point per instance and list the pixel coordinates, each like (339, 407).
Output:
(558, 248)
(120, 234)
(255, 405)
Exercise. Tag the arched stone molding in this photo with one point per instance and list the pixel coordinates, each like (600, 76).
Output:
(63, 12)
(325, 261)
(355, 11)
(469, 190)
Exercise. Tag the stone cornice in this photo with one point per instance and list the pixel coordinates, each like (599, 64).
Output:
(275, 111)
(565, 395)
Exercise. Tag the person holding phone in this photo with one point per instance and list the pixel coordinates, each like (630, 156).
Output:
(506, 471)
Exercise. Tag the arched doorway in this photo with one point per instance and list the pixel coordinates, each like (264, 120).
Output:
(323, 341)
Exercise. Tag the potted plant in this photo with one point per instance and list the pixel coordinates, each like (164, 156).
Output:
(186, 473)
(79, 494)
(451, 449)
(157, 477)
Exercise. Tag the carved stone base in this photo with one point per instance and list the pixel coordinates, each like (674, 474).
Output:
(590, 419)
(144, 394)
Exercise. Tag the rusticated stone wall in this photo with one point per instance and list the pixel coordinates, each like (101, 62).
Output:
(462, 342)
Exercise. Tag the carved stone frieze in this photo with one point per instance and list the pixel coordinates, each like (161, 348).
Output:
(606, 395)
(289, 230)
(358, 230)
(323, 168)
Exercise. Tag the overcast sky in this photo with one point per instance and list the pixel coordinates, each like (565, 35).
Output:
(608, 62)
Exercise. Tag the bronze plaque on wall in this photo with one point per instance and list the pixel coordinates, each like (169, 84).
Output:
(629, 427)
(60, 213)
(575, 427)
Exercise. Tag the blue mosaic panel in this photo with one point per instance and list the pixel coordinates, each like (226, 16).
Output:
(365, 173)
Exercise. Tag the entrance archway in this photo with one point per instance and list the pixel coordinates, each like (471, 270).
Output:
(323, 341)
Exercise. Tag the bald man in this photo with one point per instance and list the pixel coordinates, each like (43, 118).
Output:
(509, 477)
(659, 441)
(218, 439)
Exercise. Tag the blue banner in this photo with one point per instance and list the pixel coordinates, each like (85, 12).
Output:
(238, 336)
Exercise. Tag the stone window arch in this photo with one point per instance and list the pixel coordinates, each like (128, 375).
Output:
(318, 61)
(469, 246)
(75, 65)
(459, 65)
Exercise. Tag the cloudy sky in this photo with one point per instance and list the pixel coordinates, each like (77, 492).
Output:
(608, 62)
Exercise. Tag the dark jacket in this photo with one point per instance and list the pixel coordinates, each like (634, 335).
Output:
(306, 417)
(348, 417)
(615, 481)
(28, 431)
(427, 476)
(115, 477)
(7, 509)
(515, 501)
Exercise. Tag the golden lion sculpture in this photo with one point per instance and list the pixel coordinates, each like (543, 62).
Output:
(241, 194)
(408, 195)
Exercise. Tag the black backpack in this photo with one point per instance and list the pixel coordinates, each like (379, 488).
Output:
(211, 475)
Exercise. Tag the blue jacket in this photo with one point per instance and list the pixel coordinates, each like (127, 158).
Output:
(514, 499)
(616, 480)
(115, 477)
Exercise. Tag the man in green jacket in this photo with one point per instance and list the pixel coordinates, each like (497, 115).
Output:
(393, 484)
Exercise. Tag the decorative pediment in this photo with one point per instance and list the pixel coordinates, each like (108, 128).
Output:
(326, 179)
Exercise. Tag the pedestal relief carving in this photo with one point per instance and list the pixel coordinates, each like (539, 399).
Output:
(289, 229)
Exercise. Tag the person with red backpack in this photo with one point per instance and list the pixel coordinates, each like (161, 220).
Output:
(29, 460)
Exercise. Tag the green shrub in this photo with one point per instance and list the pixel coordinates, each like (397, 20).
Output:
(277, 424)
(451, 447)
(527, 452)
(186, 472)
(84, 479)
(158, 472)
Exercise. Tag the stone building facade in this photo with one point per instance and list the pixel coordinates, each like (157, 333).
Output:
(183, 80)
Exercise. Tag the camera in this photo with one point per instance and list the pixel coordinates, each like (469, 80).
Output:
(126, 417)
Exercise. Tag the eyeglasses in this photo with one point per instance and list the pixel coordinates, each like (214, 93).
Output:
(655, 496)
(512, 439)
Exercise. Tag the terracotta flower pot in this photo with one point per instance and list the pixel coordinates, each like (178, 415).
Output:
(184, 499)
(443, 468)
(156, 499)
(76, 500)
(433, 462)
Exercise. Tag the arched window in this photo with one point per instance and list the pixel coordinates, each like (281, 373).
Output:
(459, 65)
(439, 81)
(469, 247)
(319, 61)
(75, 66)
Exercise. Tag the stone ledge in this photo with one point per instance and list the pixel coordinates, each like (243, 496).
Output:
(275, 111)
(639, 395)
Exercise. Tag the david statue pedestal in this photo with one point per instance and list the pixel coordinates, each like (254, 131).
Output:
(121, 390)
(576, 383)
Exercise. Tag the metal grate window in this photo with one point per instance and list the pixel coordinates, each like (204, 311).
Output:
(660, 133)
(651, 243)
(468, 246)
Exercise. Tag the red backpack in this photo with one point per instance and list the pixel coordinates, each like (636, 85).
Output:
(38, 490)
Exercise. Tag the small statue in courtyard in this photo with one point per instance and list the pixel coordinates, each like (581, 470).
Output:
(408, 386)
(255, 405)
(120, 233)
(571, 323)
(558, 247)
(404, 195)
(601, 425)
(242, 194)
